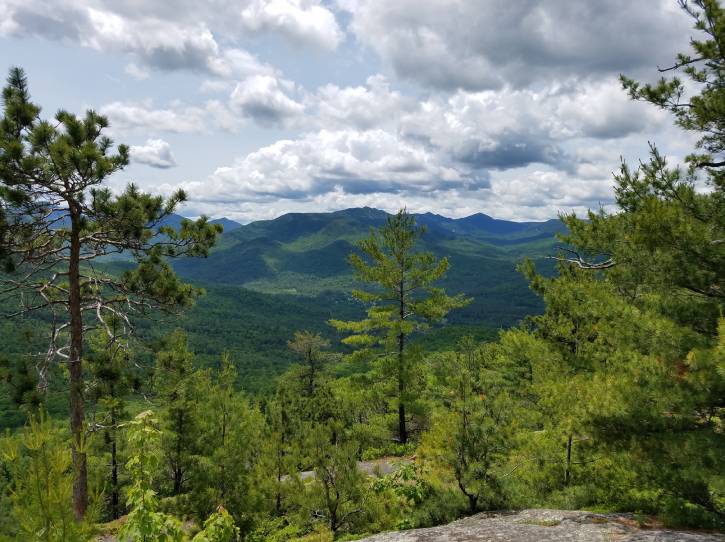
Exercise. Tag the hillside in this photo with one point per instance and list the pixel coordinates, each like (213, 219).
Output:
(267, 279)
(304, 255)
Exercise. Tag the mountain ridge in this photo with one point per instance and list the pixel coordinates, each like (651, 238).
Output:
(305, 254)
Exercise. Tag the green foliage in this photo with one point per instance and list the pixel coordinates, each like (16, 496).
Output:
(37, 464)
(337, 492)
(218, 528)
(402, 301)
(472, 437)
(57, 217)
(145, 522)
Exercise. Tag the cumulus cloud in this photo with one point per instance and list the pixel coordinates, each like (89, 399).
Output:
(130, 116)
(304, 21)
(181, 35)
(155, 153)
(361, 107)
(264, 98)
(356, 162)
(517, 152)
(447, 44)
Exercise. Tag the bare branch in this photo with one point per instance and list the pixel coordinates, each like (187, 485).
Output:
(580, 262)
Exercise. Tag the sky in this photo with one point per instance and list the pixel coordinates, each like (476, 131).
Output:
(257, 108)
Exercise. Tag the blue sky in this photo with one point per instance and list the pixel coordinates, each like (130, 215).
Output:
(261, 107)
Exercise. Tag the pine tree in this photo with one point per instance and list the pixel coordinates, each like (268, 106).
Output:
(56, 217)
(37, 462)
(311, 347)
(401, 296)
(472, 436)
(663, 255)
(109, 382)
(178, 387)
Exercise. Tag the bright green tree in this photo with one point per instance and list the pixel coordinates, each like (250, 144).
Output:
(110, 380)
(37, 461)
(231, 431)
(312, 348)
(402, 297)
(57, 217)
(337, 492)
(145, 523)
(662, 258)
(472, 436)
(179, 388)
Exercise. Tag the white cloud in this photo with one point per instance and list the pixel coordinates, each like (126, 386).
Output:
(130, 116)
(357, 162)
(179, 35)
(167, 42)
(155, 153)
(264, 98)
(137, 72)
(486, 44)
(305, 21)
(361, 107)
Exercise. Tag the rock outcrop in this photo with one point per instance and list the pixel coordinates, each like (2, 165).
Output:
(546, 526)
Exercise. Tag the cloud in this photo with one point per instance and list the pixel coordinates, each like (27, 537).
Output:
(264, 99)
(305, 22)
(130, 116)
(356, 162)
(529, 194)
(167, 41)
(373, 105)
(155, 153)
(487, 44)
(137, 72)
(180, 35)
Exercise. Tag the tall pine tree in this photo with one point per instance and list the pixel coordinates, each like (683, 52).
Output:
(57, 217)
(401, 297)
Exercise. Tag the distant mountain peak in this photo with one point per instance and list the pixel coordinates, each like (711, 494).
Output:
(228, 223)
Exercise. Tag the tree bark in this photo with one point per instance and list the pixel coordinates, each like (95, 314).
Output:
(178, 468)
(567, 472)
(402, 429)
(75, 367)
(115, 513)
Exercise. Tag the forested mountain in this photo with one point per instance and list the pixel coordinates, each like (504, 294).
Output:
(267, 279)
(304, 254)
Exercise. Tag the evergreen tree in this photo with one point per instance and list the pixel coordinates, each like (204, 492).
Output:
(178, 387)
(109, 383)
(661, 261)
(279, 459)
(56, 217)
(402, 297)
(145, 522)
(471, 437)
(338, 489)
(231, 431)
(37, 462)
(311, 348)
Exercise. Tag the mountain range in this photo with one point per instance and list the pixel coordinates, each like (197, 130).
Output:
(305, 255)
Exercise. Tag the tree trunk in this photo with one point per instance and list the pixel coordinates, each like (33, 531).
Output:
(402, 430)
(114, 469)
(75, 368)
(472, 503)
(178, 469)
(567, 472)
(223, 480)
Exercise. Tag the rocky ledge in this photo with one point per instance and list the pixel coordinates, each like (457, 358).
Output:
(545, 526)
